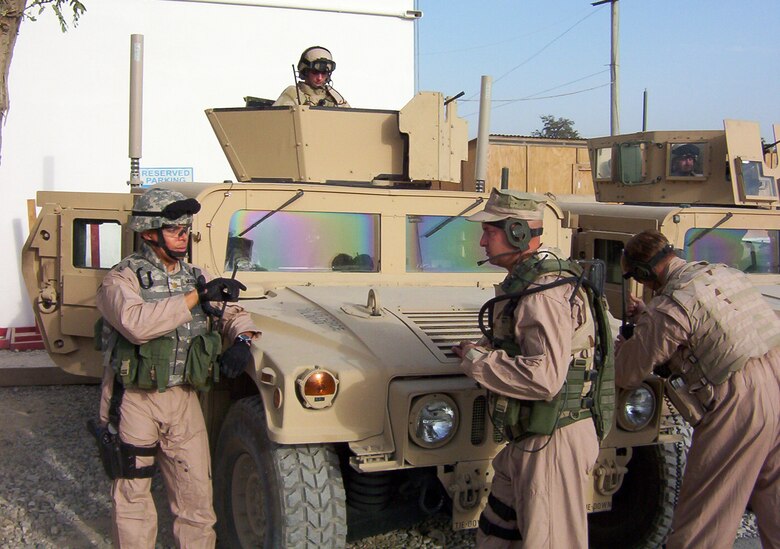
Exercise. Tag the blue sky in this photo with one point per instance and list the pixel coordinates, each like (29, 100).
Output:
(701, 61)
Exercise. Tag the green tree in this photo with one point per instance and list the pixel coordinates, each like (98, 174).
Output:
(11, 14)
(556, 128)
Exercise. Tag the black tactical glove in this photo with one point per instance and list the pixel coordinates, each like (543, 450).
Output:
(219, 289)
(233, 361)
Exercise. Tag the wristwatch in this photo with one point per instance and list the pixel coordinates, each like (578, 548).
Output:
(243, 338)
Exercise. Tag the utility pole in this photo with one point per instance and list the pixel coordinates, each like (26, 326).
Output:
(614, 113)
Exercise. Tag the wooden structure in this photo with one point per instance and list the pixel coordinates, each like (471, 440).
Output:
(536, 164)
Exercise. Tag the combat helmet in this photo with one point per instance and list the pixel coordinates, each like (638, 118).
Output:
(157, 208)
(317, 58)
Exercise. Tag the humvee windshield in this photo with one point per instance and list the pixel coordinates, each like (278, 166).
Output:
(453, 248)
(303, 241)
(750, 251)
(350, 242)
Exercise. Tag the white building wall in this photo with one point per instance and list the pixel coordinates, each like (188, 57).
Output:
(67, 128)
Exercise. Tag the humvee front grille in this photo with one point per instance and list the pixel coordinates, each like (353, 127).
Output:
(446, 328)
(478, 421)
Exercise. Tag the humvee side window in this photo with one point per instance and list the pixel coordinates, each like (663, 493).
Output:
(750, 251)
(609, 251)
(754, 182)
(685, 159)
(303, 241)
(604, 164)
(454, 248)
(631, 163)
(97, 243)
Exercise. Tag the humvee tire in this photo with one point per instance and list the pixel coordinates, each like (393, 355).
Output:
(268, 495)
(642, 510)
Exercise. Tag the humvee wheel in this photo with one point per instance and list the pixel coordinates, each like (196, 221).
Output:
(642, 509)
(273, 496)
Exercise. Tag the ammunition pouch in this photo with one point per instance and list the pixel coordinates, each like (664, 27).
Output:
(147, 366)
(118, 457)
(143, 366)
(200, 370)
(690, 393)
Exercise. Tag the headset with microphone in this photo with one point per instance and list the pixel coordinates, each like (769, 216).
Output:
(644, 271)
(518, 234)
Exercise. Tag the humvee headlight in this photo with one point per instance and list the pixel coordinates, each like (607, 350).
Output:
(636, 408)
(433, 420)
(317, 388)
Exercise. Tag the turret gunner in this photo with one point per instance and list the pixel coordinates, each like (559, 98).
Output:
(315, 68)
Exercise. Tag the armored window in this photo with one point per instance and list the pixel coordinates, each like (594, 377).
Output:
(303, 242)
(440, 244)
(752, 181)
(609, 251)
(749, 250)
(97, 243)
(603, 164)
(686, 160)
(632, 163)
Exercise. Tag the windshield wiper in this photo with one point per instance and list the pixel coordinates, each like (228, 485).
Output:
(269, 214)
(708, 230)
(441, 225)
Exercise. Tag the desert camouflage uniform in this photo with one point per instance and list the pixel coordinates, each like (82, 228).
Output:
(313, 97)
(734, 457)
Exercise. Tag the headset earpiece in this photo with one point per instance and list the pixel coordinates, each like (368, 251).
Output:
(519, 234)
(644, 271)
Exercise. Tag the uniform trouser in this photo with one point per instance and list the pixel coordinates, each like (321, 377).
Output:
(547, 489)
(734, 458)
(175, 421)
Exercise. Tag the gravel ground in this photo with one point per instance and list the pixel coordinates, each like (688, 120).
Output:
(54, 494)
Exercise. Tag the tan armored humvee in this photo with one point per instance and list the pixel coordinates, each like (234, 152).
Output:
(718, 204)
(348, 228)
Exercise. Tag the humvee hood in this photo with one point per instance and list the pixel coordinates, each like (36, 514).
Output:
(413, 333)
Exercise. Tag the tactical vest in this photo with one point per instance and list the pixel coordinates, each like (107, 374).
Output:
(589, 389)
(730, 320)
(184, 355)
(313, 96)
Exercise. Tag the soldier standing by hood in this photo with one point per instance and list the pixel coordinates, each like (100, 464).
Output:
(538, 494)
(158, 352)
(314, 69)
(717, 341)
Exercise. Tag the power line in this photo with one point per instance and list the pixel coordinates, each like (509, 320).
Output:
(550, 43)
(567, 83)
(505, 102)
(533, 56)
(498, 43)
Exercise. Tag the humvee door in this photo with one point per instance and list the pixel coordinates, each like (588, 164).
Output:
(76, 238)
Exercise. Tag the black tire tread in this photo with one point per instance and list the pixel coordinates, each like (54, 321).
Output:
(310, 489)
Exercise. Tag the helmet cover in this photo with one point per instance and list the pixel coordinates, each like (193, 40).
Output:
(157, 208)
